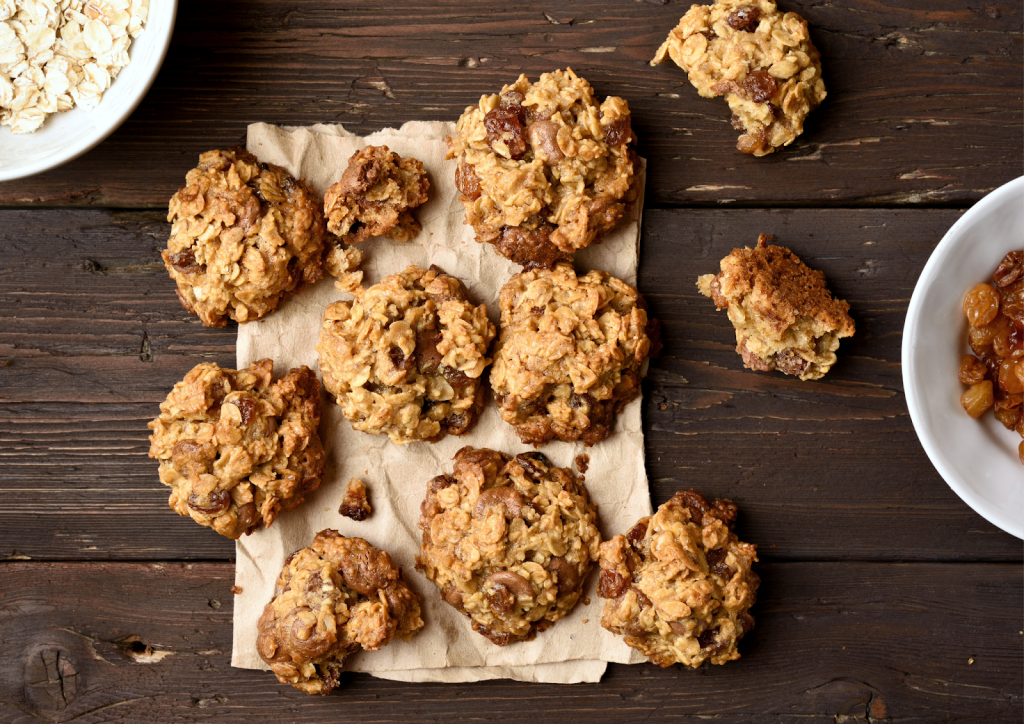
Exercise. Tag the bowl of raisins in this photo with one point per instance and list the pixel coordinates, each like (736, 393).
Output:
(963, 357)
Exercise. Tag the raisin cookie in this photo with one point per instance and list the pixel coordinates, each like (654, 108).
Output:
(508, 541)
(375, 197)
(544, 169)
(236, 448)
(763, 62)
(785, 317)
(332, 599)
(679, 584)
(569, 354)
(406, 356)
(244, 236)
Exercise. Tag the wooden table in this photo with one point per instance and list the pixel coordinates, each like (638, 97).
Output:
(885, 598)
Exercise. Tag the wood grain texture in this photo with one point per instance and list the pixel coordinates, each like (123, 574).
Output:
(849, 642)
(923, 107)
(92, 338)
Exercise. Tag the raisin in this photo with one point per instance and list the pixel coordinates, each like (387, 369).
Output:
(641, 599)
(716, 563)
(503, 124)
(707, 638)
(636, 535)
(744, 19)
(529, 247)
(512, 101)
(456, 378)
(972, 370)
(978, 399)
(247, 407)
(185, 262)
(584, 401)
(759, 86)
(212, 504)
(1009, 269)
(618, 132)
(981, 305)
(612, 584)
(501, 599)
(426, 350)
(467, 182)
(752, 141)
(398, 359)
(529, 462)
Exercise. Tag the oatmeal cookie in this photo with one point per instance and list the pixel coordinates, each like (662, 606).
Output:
(244, 236)
(406, 356)
(785, 317)
(236, 448)
(332, 599)
(763, 62)
(544, 169)
(375, 197)
(509, 541)
(569, 354)
(679, 584)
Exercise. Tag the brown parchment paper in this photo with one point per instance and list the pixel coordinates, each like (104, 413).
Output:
(576, 648)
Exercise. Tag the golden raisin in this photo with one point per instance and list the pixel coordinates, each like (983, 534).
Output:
(1020, 452)
(1009, 416)
(978, 398)
(972, 370)
(1009, 380)
(981, 305)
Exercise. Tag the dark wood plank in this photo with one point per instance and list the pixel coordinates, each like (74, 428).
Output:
(833, 643)
(923, 103)
(92, 338)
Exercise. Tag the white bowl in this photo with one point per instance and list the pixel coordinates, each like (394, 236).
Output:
(64, 136)
(977, 458)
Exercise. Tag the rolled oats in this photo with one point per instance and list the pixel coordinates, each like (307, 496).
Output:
(544, 169)
(236, 448)
(406, 357)
(55, 54)
(760, 59)
(339, 596)
(679, 584)
(785, 316)
(569, 354)
(508, 541)
(244, 236)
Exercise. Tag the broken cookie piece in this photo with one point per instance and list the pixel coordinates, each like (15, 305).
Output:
(784, 314)
(355, 505)
(375, 197)
(763, 62)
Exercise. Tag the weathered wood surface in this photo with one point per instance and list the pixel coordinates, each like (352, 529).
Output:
(923, 107)
(834, 642)
(92, 338)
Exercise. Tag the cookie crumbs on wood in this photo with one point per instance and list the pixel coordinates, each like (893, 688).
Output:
(355, 504)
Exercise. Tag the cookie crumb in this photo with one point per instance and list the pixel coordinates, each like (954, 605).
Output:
(970, 662)
(355, 505)
(582, 463)
(236, 590)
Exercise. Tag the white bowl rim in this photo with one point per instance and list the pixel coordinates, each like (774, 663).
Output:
(1003, 519)
(90, 142)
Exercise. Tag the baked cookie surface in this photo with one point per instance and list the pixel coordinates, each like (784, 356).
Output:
(244, 235)
(679, 584)
(332, 599)
(375, 197)
(406, 356)
(786, 318)
(237, 448)
(569, 354)
(544, 169)
(508, 541)
(763, 62)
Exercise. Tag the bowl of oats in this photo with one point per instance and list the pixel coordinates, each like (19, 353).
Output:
(71, 72)
(963, 343)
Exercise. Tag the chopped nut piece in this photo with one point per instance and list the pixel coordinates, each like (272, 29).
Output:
(760, 59)
(355, 505)
(784, 315)
(332, 599)
(508, 541)
(236, 449)
(544, 169)
(679, 586)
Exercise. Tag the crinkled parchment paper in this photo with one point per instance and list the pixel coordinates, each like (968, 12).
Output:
(576, 648)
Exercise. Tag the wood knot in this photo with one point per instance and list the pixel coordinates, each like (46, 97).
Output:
(51, 679)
